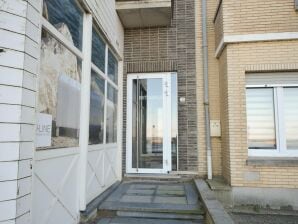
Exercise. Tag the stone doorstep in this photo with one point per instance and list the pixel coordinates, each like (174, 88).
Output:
(127, 220)
(154, 177)
(109, 206)
(213, 207)
(152, 207)
(158, 215)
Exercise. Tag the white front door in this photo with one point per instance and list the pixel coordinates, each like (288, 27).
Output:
(149, 123)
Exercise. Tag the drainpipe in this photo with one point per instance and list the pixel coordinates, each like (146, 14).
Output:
(206, 87)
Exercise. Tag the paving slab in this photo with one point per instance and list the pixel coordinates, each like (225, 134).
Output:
(120, 220)
(140, 192)
(170, 200)
(136, 199)
(171, 187)
(191, 194)
(119, 192)
(142, 186)
(170, 192)
(158, 215)
(154, 197)
(152, 207)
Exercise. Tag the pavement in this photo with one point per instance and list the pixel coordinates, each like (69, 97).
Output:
(263, 219)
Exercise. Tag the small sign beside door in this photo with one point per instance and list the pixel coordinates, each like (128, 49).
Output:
(43, 130)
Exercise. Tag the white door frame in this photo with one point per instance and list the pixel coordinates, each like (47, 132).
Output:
(167, 158)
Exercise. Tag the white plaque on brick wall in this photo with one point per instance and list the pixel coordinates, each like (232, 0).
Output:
(43, 130)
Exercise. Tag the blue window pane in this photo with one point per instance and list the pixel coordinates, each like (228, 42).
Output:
(97, 102)
(67, 17)
(98, 51)
(113, 68)
(111, 126)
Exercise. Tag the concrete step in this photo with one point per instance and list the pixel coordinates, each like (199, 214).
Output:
(124, 220)
(152, 177)
(194, 209)
(157, 215)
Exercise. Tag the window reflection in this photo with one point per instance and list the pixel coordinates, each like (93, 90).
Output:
(112, 67)
(174, 124)
(111, 127)
(98, 51)
(59, 95)
(67, 17)
(147, 133)
(97, 102)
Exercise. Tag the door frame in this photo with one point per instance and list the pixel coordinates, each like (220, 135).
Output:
(167, 150)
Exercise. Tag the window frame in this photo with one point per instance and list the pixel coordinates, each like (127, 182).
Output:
(106, 108)
(59, 37)
(85, 56)
(280, 130)
(104, 75)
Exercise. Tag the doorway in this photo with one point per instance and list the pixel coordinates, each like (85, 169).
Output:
(152, 133)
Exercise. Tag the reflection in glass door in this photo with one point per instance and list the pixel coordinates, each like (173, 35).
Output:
(152, 124)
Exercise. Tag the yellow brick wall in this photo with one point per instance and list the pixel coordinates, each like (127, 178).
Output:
(213, 92)
(227, 84)
(255, 16)
(226, 171)
(235, 61)
(214, 97)
(218, 24)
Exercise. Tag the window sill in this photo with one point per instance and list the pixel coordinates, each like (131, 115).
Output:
(272, 161)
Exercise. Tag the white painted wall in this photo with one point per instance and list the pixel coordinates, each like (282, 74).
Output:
(101, 169)
(19, 22)
(55, 186)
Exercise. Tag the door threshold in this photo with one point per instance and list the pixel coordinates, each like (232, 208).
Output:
(152, 176)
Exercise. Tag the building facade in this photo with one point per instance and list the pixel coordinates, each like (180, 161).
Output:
(93, 91)
(254, 47)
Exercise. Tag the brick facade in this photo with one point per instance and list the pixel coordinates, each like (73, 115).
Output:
(169, 49)
(237, 59)
(251, 16)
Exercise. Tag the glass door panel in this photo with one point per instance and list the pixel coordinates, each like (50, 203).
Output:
(174, 122)
(151, 131)
(147, 138)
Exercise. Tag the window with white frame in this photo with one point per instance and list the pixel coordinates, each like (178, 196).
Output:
(59, 94)
(103, 93)
(272, 114)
